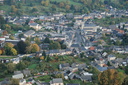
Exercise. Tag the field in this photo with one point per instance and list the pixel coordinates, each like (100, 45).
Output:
(33, 66)
(7, 57)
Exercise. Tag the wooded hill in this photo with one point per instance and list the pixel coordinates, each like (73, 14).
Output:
(20, 7)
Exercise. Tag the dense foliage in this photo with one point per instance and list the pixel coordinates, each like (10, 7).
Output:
(49, 6)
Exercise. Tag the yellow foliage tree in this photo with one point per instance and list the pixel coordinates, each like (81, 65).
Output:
(35, 48)
(111, 77)
(9, 45)
(0, 52)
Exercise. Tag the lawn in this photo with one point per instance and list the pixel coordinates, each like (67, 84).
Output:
(45, 78)
(120, 70)
(7, 57)
(71, 2)
(75, 81)
(33, 66)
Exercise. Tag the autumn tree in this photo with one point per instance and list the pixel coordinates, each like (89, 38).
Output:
(8, 45)
(13, 51)
(37, 40)
(14, 9)
(45, 3)
(14, 82)
(111, 77)
(5, 32)
(67, 7)
(35, 48)
(61, 4)
(0, 52)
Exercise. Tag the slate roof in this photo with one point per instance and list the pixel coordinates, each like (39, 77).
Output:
(57, 80)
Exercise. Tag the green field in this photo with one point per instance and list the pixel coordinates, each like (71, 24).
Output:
(7, 57)
(33, 66)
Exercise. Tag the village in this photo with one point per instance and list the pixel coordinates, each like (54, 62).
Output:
(84, 40)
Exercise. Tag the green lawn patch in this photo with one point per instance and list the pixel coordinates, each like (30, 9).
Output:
(45, 78)
(120, 70)
(7, 57)
(33, 66)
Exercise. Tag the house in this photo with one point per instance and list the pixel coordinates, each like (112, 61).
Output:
(5, 82)
(15, 60)
(18, 76)
(26, 72)
(1, 1)
(90, 27)
(29, 33)
(56, 81)
(85, 76)
(64, 66)
(111, 57)
(35, 26)
(22, 82)
(72, 84)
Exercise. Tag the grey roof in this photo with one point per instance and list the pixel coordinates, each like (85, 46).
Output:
(30, 32)
(72, 84)
(33, 24)
(90, 25)
(111, 55)
(75, 45)
(57, 80)
(87, 77)
(101, 68)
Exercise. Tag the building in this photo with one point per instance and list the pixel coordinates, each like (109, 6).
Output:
(29, 33)
(1, 1)
(57, 81)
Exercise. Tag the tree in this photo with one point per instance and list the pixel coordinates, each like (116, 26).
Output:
(21, 47)
(125, 81)
(13, 51)
(44, 54)
(14, 9)
(35, 48)
(11, 37)
(55, 45)
(111, 77)
(37, 40)
(61, 4)
(11, 67)
(10, 45)
(21, 66)
(0, 52)
(5, 32)
(34, 9)
(67, 7)
(46, 40)
(14, 82)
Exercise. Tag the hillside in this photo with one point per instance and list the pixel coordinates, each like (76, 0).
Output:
(34, 7)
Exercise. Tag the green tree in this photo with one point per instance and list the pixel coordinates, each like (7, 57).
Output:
(125, 81)
(11, 67)
(55, 45)
(21, 47)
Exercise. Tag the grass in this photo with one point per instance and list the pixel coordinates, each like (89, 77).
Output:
(45, 78)
(120, 70)
(75, 81)
(7, 57)
(70, 2)
(33, 66)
